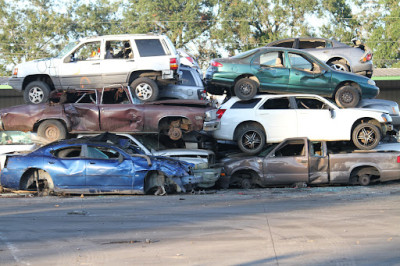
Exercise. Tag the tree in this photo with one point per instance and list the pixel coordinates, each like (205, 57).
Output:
(181, 21)
(95, 18)
(385, 37)
(30, 32)
(243, 25)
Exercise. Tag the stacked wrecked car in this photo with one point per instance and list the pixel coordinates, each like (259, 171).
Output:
(122, 163)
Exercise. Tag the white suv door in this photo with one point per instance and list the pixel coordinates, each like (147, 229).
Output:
(316, 121)
(118, 61)
(81, 67)
(279, 119)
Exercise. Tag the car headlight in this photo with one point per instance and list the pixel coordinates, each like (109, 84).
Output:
(371, 82)
(386, 118)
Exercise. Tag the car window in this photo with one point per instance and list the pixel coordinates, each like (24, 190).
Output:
(150, 47)
(271, 59)
(187, 78)
(120, 49)
(72, 96)
(299, 62)
(286, 44)
(151, 142)
(87, 51)
(87, 98)
(292, 148)
(316, 149)
(246, 54)
(245, 104)
(308, 44)
(15, 138)
(68, 152)
(276, 103)
(310, 103)
(115, 96)
(100, 152)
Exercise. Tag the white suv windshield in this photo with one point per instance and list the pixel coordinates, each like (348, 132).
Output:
(66, 49)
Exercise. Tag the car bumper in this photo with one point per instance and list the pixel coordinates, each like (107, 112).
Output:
(369, 91)
(210, 125)
(208, 176)
(16, 83)
(395, 121)
(364, 69)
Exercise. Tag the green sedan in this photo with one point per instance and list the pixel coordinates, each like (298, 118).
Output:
(285, 70)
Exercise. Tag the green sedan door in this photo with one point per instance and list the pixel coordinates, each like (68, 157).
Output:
(270, 70)
(307, 76)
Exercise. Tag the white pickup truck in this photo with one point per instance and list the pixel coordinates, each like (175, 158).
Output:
(142, 61)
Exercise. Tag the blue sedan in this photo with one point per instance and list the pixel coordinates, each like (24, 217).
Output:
(80, 166)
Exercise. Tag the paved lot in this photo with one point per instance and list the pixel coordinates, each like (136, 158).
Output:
(279, 226)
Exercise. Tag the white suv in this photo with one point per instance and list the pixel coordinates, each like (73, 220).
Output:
(272, 118)
(142, 61)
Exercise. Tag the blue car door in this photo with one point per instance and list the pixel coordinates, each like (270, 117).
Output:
(107, 170)
(66, 167)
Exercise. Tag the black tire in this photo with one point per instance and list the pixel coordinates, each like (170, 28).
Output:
(145, 89)
(36, 92)
(251, 138)
(246, 183)
(45, 185)
(366, 136)
(339, 65)
(347, 97)
(246, 89)
(52, 130)
(364, 179)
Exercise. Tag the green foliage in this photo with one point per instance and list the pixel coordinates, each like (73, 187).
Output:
(182, 21)
(385, 36)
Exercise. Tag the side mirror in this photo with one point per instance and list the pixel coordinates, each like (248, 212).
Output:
(68, 59)
(333, 113)
(121, 158)
(322, 72)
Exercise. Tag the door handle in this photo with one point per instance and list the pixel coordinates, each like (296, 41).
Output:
(96, 64)
(51, 162)
(304, 161)
(92, 162)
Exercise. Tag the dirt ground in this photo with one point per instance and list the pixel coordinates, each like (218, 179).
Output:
(276, 226)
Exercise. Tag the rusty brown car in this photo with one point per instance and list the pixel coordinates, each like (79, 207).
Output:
(299, 160)
(108, 109)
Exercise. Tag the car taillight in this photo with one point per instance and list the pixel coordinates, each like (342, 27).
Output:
(366, 57)
(173, 64)
(15, 73)
(220, 113)
(216, 64)
(398, 159)
(190, 59)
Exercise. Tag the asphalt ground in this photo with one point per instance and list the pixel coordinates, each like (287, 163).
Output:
(346, 225)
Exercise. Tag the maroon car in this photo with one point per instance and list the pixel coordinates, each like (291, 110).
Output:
(108, 109)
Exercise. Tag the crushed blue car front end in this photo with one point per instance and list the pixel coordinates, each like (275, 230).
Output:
(127, 174)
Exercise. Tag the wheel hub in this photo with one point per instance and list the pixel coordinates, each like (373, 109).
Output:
(245, 89)
(366, 136)
(52, 133)
(338, 67)
(175, 133)
(36, 95)
(347, 97)
(251, 140)
(143, 91)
